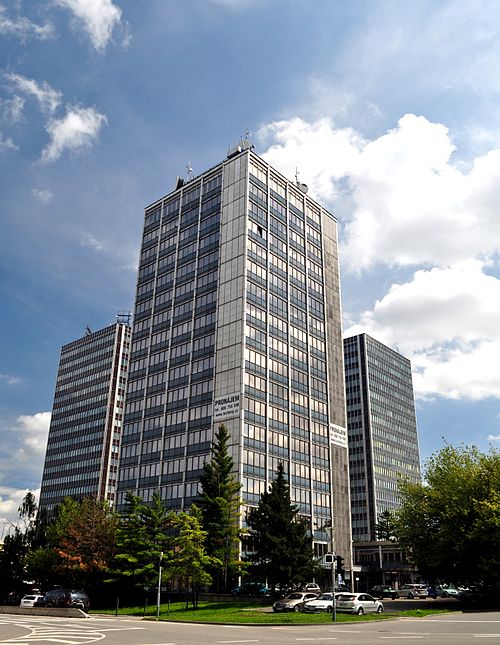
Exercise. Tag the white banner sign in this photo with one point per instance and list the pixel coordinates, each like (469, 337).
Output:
(338, 436)
(227, 406)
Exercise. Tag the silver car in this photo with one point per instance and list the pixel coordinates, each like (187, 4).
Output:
(294, 601)
(413, 591)
(323, 602)
(359, 603)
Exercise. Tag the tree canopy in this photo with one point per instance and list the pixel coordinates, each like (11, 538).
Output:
(282, 546)
(451, 524)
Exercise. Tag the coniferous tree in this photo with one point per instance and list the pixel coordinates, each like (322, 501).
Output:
(220, 505)
(281, 546)
(385, 528)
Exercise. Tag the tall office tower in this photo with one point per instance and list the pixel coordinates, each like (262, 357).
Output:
(87, 416)
(237, 321)
(383, 439)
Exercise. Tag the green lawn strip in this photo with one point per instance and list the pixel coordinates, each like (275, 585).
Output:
(252, 613)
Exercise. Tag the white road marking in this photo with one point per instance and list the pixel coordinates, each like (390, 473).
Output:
(400, 637)
(253, 641)
(319, 638)
(486, 635)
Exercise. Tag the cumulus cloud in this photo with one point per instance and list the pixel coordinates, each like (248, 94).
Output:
(78, 129)
(447, 321)
(494, 437)
(410, 204)
(23, 28)
(48, 98)
(99, 19)
(10, 501)
(405, 201)
(22, 450)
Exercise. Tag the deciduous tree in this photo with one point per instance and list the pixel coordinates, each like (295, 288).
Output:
(451, 524)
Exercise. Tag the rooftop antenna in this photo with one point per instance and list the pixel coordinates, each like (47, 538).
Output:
(302, 187)
(189, 169)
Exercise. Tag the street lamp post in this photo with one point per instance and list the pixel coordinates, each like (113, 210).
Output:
(158, 593)
(331, 532)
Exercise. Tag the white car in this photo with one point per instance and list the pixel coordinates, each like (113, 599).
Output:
(413, 591)
(29, 601)
(359, 603)
(321, 603)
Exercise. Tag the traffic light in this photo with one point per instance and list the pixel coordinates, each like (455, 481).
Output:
(328, 558)
(339, 566)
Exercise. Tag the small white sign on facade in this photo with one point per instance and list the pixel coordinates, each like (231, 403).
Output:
(338, 435)
(227, 406)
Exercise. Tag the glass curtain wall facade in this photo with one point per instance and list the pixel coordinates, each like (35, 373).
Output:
(383, 439)
(83, 445)
(237, 321)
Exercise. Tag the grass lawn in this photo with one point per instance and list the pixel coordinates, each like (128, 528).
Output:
(251, 612)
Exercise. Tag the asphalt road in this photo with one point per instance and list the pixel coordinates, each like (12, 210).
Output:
(456, 628)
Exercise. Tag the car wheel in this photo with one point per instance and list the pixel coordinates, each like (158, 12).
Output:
(296, 609)
(360, 611)
(410, 596)
(380, 609)
(50, 604)
(329, 610)
(394, 596)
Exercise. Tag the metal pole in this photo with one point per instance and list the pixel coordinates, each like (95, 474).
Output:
(158, 593)
(334, 602)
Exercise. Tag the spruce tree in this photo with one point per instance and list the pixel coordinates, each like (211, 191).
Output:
(281, 545)
(220, 505)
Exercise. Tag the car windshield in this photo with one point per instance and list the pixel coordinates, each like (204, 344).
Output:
(346, 597)
(294, 596)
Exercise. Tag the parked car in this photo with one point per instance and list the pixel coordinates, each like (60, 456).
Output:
(64, 598)
(413, 591)
(29, 600)
(447, 591)
(359, 603)
(294, 601)
(431, 592)
(311, 586)
(251, 589)
(383, 591)
(473, 595)
(324, 602)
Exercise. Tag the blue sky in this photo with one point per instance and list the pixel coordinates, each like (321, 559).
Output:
(389, 110)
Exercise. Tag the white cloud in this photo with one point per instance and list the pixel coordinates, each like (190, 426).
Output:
(78, 129)
(410, 204)
(9, 379)
(12, 109)
(22, 450)
(47, 97)
(7, 143)
(23, 28)
(87, 239)
(494, 437)
(98, 17)
(10, 501)
(43, 196)
(447, 321)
